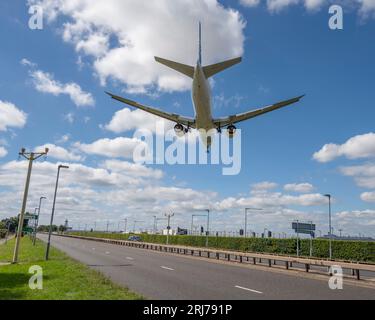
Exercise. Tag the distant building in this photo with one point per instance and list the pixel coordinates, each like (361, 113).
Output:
(348, 238)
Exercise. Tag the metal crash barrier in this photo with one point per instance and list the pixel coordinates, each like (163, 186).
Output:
(269, 260)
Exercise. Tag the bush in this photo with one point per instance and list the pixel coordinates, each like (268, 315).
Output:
(342, 250)
(3, 233)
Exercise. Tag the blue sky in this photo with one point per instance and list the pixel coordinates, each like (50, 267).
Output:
(286, 52)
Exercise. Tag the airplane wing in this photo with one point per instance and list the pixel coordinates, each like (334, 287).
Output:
(189, 122)
(222, 122)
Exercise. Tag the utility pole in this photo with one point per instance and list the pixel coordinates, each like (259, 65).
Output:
(297, 238)
(208, 226)
(126, 224)
(155, 224)
(311, 239)
(340, 230)
(53, 208)
(31, 157)
(330, 225)
(169, 224)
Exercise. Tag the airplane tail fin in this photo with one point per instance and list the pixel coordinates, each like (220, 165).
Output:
(213, 69)
(182, 68)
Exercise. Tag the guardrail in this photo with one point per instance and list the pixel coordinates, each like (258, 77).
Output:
(240, 257)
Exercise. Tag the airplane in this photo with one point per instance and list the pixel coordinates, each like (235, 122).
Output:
(202, 102)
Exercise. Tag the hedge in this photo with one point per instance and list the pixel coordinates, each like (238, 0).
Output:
(3, 233)
(361, 251)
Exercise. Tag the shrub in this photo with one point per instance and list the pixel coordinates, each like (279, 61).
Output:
(342, 250)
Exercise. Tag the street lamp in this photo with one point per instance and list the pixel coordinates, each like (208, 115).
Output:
(136, 221)
(246, 209)
(37, 220)
(192, 220)
(168, 215)
(53, 209)
(330, 225)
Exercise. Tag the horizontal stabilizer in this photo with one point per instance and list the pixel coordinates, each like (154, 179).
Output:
(213, 69)
(182, 68)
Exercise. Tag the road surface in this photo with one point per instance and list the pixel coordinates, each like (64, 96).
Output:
(157, 275)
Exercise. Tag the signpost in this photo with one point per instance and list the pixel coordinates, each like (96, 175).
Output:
(305, 228)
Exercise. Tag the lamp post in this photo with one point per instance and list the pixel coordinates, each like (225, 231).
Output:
(330, 225)
(208, 226)
(37, 220)
(192, 220)
(136, 221)
(53, 209)
(169, 224)
(126, 224)
(246, 209)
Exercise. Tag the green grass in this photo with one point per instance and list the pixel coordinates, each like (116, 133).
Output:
(63, 278)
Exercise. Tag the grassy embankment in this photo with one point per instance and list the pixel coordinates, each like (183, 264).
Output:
(63, 278)
(342, 250)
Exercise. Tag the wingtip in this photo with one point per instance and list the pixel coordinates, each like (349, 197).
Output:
(110, 94)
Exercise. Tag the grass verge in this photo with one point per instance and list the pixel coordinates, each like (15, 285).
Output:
(63, 277)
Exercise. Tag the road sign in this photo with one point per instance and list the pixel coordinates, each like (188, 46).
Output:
(308, 228)
(31, 216)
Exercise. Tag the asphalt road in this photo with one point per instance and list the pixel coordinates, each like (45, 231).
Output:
(165, 276)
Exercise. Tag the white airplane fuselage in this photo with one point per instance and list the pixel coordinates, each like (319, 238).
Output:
(201, 96)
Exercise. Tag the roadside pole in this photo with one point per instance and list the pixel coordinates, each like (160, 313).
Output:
(169, 225)
(37, 220)
(311, 239)
(53, 209)
(297, 238)
(31, 157)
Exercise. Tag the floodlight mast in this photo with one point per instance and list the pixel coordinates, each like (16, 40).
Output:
(31, 157)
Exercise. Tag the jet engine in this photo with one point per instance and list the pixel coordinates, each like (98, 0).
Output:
(179, 130)
(231, 130)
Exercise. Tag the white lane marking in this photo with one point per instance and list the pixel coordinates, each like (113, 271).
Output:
(247, 289)
(129, 258)
(166, 268)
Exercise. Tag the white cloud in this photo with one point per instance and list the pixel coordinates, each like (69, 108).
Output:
(299, 187)
(360, 146)
(365, 8)
(3, 152)
(11, 116)
(115, 148)
(250, 3)
(126, 120)
(60, 153)
(123, 47)
(368, 196)
(263, 186)
(314, 4)
(44, 82)
(132, 169)
(69, 117)
(278, 5)
(27, 63)
(364, 175)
